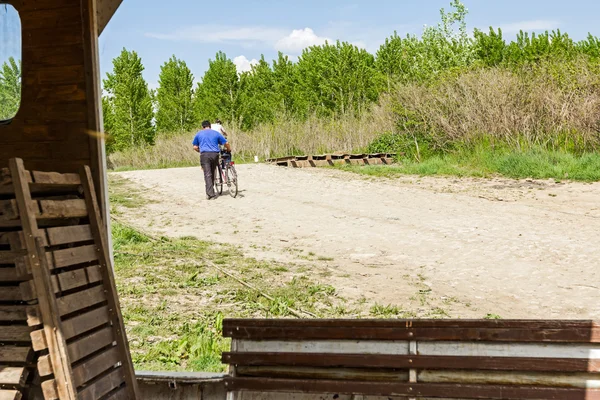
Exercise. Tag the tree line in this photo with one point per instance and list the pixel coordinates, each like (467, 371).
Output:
(331, 80)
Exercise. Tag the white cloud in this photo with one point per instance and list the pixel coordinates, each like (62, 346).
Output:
(220, 34)
(300, 39)
(243, 64)
(529, 26)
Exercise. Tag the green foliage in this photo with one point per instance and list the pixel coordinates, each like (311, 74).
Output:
(174, 109)
(10, 88)
(259, 97)
(336, 79)
(218, 95)
(128, 104)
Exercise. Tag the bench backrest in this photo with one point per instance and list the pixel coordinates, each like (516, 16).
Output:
(464, 359)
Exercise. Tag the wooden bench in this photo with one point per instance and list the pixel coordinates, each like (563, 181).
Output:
(364, 359)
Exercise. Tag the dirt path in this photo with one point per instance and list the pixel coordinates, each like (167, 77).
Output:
(519, 249)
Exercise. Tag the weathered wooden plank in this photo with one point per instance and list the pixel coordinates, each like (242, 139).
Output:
(9, 209)
(103, 386)
(386, 361)
(325, 346)
(11, 275)
(72, 256)
(45, 37)
(10, 293)
(85, 322)
(56, 178)
(44, 366)
(463, 391)
(80, 300)
(60, 75)
(8, 257)
(69, 234)
(38, 340)
(407, 324)
(573, 380)
(13, 354)
(571, 335)
(12, 313)
(491, 349)
(50, 390)
(13, 376)
(10, 395)
(321, 374)
(90, 344)
(92, 368)
(120, 394)
(62, 209)
(52, 18)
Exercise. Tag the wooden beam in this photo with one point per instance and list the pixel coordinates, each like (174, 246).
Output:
(105, 11)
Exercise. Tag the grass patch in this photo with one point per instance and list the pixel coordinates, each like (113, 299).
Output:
(536, 163)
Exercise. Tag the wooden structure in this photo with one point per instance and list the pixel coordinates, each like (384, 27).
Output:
(62, 328)
(325, 160)
(414, 359)
(57, 125)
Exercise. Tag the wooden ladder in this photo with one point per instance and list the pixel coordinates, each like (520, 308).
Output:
(66, 335)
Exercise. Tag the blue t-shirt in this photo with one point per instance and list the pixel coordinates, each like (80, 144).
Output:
(209, 141)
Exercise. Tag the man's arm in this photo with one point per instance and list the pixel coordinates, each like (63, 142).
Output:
(197, 149)
(228, 147)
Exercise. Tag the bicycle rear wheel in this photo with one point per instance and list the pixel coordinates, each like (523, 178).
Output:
(218, 178)
(232, 182)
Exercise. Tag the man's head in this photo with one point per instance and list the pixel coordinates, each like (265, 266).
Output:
(218, 121)
(206, 125)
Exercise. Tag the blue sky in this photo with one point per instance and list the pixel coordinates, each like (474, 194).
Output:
(195, 30)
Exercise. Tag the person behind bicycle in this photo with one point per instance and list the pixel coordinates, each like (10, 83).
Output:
(218, 126)
(207, 142)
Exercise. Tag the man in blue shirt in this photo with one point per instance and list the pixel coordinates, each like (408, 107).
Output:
(206, 142)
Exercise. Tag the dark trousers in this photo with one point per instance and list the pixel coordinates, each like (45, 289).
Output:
(209, 163)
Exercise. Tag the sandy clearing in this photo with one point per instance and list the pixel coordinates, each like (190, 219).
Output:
(520, 249)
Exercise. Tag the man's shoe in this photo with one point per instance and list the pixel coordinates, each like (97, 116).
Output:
(211, 197)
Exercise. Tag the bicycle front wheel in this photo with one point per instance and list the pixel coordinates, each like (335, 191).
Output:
(218, 178)
(232, 181)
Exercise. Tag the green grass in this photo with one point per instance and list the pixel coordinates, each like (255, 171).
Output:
(535, 163)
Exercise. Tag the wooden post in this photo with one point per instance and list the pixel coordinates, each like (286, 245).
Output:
(57, 346)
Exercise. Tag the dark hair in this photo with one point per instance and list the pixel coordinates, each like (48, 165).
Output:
(205, 124)
(218, 121)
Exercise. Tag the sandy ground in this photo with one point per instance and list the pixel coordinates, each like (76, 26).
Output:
(518, 249)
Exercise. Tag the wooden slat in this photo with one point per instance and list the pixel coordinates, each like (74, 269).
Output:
(232, 323)
(38, 340)
(11, 275)
(103, 386)
(10, 293)
(13, 376)
(10, 395)
(9, 210)
(13, 354)
(50, 390)
(569, 335)
(42, 188)
(51, 209)
(462, 391)
(80, 300)
(69, 234)
(90, 344)
(47, 304)
(85, 322)
(13, 313)
(8, 257)
(54, 177)
(44, 366)
(101, 239)
(72, 256)
(99, 364)
(120, 394)
(380, 361)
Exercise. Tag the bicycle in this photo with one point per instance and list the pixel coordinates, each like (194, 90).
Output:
(226, 174)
